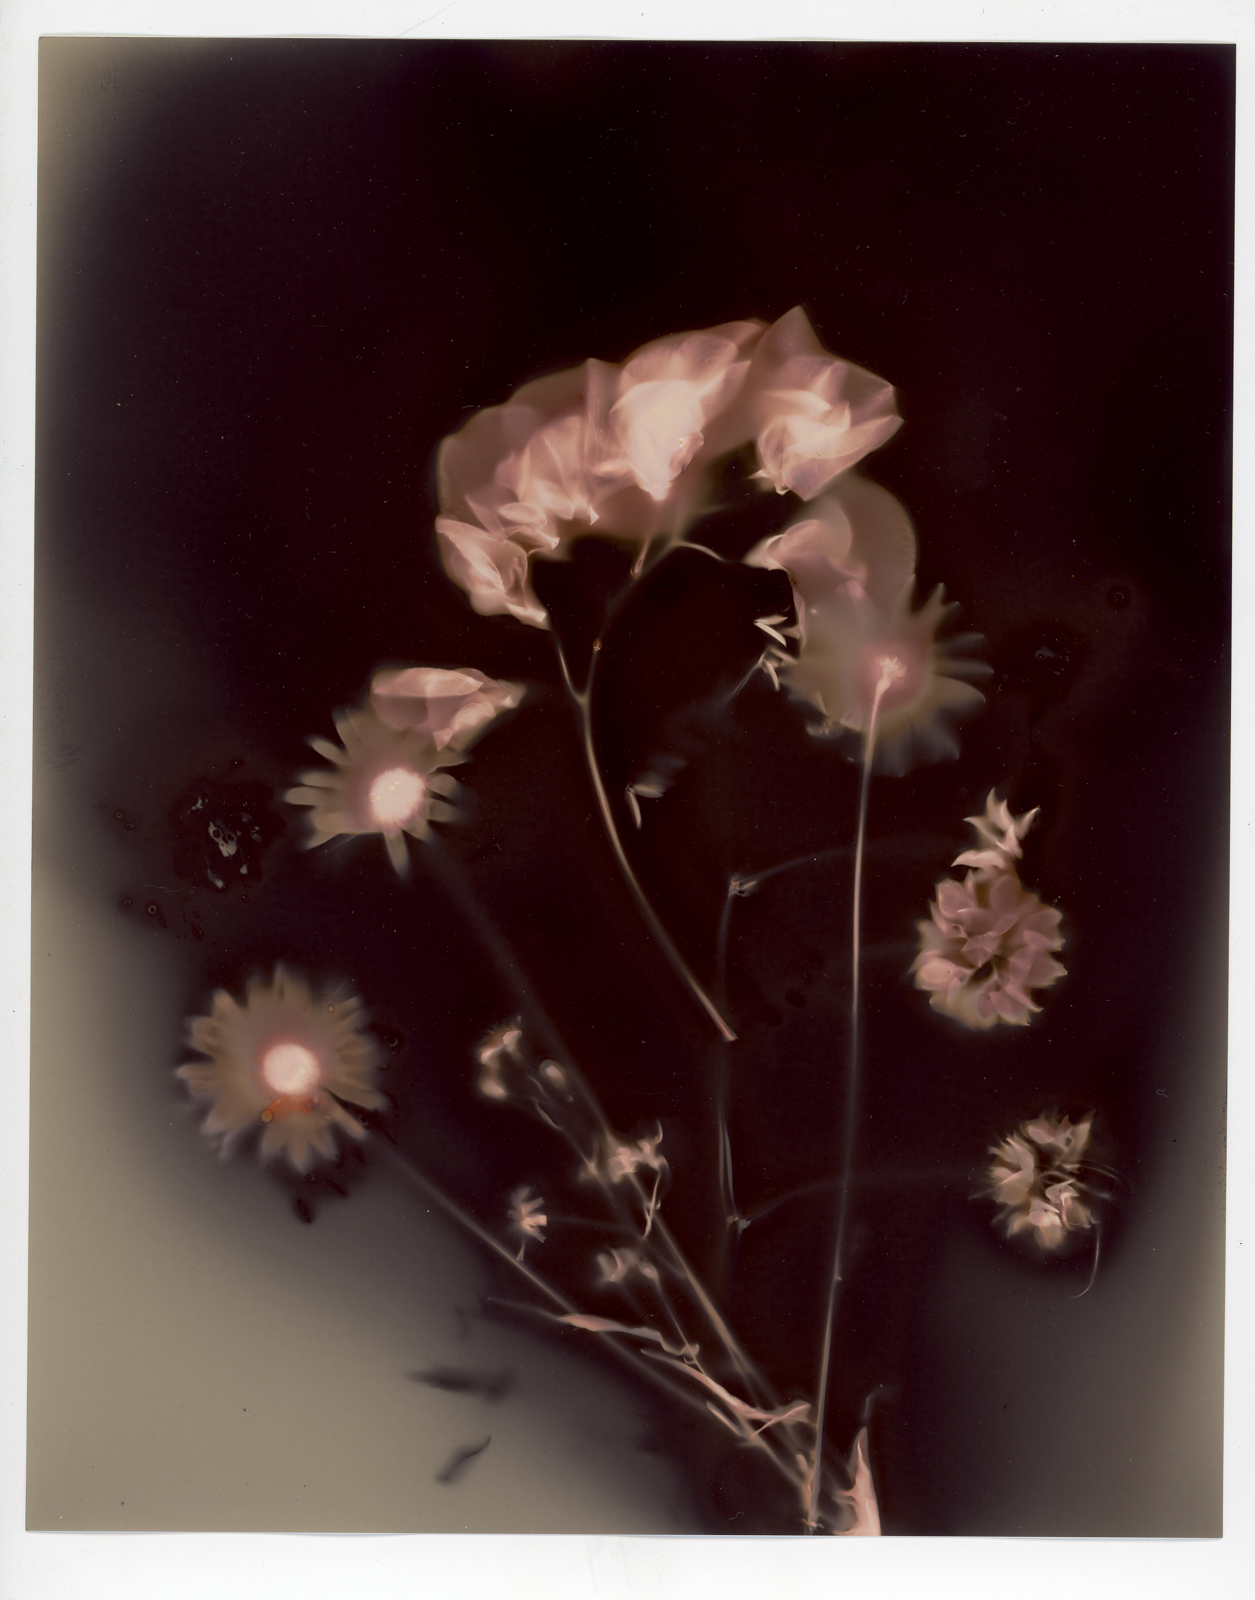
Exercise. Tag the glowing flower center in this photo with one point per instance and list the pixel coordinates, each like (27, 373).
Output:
(891, 671)
(290, 1069)
(396, 795)
(891, 677)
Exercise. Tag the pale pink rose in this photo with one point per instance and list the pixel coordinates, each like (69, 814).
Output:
(451, 709)
(857, 543)
(514, 483)
(814, 415)
(862, 649)
(281, 1063)
(598, 446)
(1037, 1178)
(493, 570)
(650, 415)
(987, 947)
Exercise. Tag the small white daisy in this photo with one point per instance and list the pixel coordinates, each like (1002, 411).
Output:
(283, 1061)
(384, 780)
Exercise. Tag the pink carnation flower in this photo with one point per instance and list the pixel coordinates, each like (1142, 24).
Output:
(814, 414)
(989, 943)
(1036, 1177)
(986, 949)
(283, 1061)
(862, 648)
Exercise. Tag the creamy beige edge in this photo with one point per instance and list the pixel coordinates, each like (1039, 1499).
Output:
(199, 1360)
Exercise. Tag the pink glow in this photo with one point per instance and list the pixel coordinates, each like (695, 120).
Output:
(852, 566)
(449, 708)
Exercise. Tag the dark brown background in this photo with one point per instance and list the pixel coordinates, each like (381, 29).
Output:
(275, 274)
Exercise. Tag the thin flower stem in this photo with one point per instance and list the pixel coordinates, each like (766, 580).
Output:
(679, 1265)
(887, 677)
(1093, 1271)
(506, 964)
(656, 1374)
(742, 682)
(759, 1391)
(433, 1191)
(495, 946)
(895, 1177)
(727, 1191)
(582, 701)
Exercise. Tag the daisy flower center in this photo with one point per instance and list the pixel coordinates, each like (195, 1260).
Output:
(290, 1069)
(891, 677)
(395, 796)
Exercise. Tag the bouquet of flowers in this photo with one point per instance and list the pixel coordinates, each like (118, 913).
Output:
(580, 509)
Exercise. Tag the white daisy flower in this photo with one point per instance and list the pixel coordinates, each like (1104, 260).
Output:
(384, 780)
(282, 1061)
(387, 777)
(866, 661)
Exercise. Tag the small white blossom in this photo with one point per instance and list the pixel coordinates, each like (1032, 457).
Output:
(500, 1047)
(616, 1266)
(527, 1220)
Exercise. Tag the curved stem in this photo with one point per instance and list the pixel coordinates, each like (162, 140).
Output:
(582, 700)
(783, 1458)
(727, 1192)
(890, 672)
(740, 1360)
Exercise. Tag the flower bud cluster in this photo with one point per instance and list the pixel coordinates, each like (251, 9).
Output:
(989, 942)
(510, 1071)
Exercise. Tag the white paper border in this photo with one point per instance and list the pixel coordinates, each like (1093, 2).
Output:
(54, 1566)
